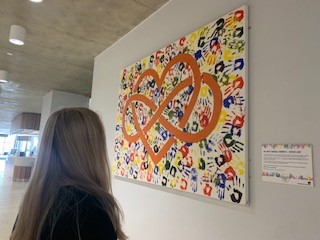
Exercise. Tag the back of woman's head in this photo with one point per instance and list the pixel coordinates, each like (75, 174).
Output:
(78, 148)
(72, 152)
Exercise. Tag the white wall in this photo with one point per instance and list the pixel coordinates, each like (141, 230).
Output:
(284, 88)
(55, 100)
(46, 109)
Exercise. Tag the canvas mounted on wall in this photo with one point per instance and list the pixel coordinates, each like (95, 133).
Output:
(182, 113)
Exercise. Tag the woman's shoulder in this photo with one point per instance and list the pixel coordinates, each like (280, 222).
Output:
(86, 208)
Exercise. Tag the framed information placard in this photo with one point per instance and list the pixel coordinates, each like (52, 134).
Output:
(288, 164)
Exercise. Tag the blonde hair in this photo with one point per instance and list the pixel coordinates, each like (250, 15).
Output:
(72, 152)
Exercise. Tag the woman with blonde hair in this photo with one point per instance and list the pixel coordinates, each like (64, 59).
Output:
(69, 195)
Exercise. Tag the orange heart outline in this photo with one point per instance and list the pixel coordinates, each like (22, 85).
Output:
(177, 133)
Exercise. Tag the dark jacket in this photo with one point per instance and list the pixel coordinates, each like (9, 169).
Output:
(76, 215)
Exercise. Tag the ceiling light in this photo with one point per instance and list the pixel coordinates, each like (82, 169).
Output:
(37, 1)
(9, 54)
(3, 76)
(17, 34)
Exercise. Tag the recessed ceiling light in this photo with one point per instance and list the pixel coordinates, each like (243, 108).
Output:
(17, 34)
(9, 54)
(3, 76)
(36, 1)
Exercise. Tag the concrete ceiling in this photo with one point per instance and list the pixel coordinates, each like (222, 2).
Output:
(62, 39)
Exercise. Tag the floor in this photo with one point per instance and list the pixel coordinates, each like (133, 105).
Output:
(11, 194)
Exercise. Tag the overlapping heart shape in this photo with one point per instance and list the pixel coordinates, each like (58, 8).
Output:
(177, 131)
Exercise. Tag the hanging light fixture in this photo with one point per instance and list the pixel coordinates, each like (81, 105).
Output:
(17, 34)
(36, 1)
(3, 76)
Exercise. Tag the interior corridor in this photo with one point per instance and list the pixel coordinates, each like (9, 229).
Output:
(11, 194)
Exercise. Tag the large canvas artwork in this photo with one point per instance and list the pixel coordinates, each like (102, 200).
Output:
(182, 113)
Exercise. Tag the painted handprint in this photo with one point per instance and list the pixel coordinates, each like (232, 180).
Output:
(237, 188)
(221, 184)
(194, 180)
